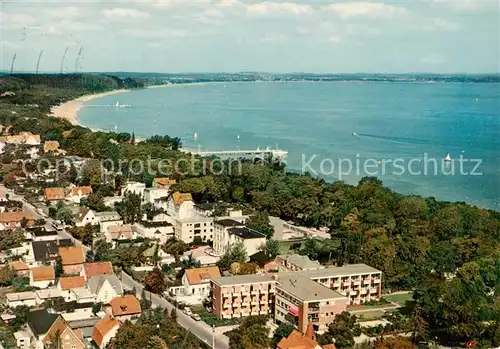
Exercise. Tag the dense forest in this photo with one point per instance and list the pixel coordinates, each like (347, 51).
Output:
(447, 253)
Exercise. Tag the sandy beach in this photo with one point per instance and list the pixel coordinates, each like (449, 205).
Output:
(69, 110)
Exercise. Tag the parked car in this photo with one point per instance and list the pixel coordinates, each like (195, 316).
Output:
(187, 311)
(196, 317)
(471, 344)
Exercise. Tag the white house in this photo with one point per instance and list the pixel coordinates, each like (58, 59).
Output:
(85, 216)
(115, 233)
(110, 201)
(67, 284)
(21, 298)
(134, 187)
(180, 205)
(106, 287)
(78, 193)
(105, 330)
(46, 294)
(108, 218)
(156, 196)
(195, 284)
(23, 339)
(160, 231)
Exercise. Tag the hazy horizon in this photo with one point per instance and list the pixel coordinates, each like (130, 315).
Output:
(323, 37)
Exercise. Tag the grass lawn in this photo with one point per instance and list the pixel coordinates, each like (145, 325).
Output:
(399, 298)
(211, 319)
(370, 315)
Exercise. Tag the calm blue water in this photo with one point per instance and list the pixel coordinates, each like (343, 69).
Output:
(391, 121)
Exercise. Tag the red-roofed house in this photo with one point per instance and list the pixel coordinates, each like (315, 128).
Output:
(196, 281)
(72, 259)
(54, 194)
(78, 193)
(124, 307)
(105, 330)
(97, 269)
(20, 267)
(297, 340)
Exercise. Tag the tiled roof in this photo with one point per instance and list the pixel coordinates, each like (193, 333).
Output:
(297, 340)
(72, 255)
(8, 217)
(43, 273)
(51, 146)
(103, 327)
(58, 326)
(179, 198)
(54, 193)
(67, 283)
(18, 265)
(47, 249)
(163, 182)
(85, 190)
(98, 268)
(82, 212)
(125, 305)
(117, 231)
(199, 275)
(95, 283)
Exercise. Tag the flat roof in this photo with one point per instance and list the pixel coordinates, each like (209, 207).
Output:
(242, 279)
(246, 233)
(19, 296)
(346, 270)
(306, 289)
(227, 222)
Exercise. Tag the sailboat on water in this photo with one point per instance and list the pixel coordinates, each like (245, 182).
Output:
(447, 158)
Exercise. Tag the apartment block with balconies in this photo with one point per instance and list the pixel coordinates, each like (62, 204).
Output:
(299, 300)
(360, 283)
(243, 295)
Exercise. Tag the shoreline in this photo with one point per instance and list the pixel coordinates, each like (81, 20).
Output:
(69, 110)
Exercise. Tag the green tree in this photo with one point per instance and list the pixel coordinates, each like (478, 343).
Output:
(58, 267)
(271, 248)
(237, 253)
(155, 281)
(260, 222)
(64, 214)
(130, 208)
(282, 331)
(7, 274)
(342, 331)
(251, 334)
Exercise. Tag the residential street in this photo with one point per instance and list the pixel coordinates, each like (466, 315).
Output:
(63, 234)
(198, 328)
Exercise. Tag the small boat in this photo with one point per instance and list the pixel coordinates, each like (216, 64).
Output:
(354, 134)
(238, 137)
(447, 158)
(196, 135)
(117, 104)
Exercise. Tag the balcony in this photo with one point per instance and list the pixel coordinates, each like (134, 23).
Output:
(356, 282)
(345, 283)
(255, 292)
(376, 281)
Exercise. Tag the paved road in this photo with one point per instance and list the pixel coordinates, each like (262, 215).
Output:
(198, 328)
(63, 234)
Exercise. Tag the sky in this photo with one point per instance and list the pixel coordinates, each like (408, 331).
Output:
(231, 35)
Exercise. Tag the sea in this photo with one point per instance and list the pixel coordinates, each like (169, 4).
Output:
(400, 132)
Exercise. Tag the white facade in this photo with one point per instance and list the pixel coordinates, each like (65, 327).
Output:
(134, 187)
(182, 211)
(156, 196)
(40, 284)
(110, 201)
(201, 290)
(109, 335)
(45, 294)
(23, 339)
(21, 298)
(88, 218)
(107, 219)
(107, 292)
(161, 233)
(187, 229)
